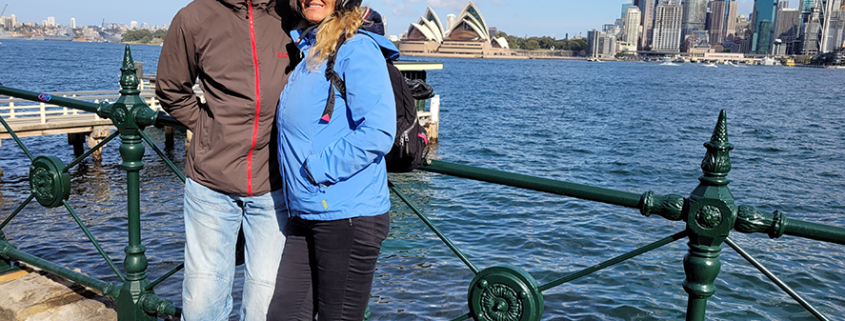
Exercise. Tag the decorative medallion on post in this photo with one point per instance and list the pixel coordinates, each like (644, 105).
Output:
(48, 181)
(710, 216)
(505, 293)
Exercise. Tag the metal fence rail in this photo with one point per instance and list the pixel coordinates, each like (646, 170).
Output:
(497, 293)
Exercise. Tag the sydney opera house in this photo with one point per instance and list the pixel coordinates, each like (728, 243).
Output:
(466, 35)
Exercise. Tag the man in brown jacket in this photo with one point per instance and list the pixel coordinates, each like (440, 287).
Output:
(239, 53)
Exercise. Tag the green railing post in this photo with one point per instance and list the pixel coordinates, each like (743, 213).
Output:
(130, 302)
(711, 213)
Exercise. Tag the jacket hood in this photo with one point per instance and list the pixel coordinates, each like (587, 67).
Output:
(388, 49)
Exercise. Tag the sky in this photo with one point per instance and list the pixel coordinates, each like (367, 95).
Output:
(555, 18)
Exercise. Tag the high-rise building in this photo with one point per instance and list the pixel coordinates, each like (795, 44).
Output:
(806, 7)
(694, 15)
(133, 25)
(51, 21)
(612, 30)
(811, 31)
(632, 25)
(625, 9)
(667, 26)
(831, 20)
(73, 23)
(786, 28)
(647, 22)
(600, 44)
(763, 26)
(451, 19)
(834, 29)
(722, 21)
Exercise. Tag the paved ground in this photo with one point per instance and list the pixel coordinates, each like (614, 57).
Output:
(30, 295)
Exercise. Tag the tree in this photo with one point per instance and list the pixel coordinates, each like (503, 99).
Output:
(532, 44)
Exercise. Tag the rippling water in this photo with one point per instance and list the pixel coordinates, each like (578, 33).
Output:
(627, 126)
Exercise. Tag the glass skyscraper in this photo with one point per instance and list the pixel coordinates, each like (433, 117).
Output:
(694, 15)
(763, 26)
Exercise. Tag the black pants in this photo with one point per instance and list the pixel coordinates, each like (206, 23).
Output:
(327, 269)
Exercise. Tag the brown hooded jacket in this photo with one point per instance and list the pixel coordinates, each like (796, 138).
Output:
(239, 53)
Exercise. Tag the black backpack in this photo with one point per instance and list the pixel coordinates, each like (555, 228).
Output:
(411, 138)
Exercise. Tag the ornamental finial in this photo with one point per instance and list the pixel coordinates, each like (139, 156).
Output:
(128, 78)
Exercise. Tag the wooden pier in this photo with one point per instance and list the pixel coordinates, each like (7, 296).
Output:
(27, 118)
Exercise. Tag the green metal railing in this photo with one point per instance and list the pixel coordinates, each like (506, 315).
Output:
(497, 293)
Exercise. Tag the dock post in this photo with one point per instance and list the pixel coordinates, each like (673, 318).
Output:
(95, 137)
(188, 136)
(433, 126)
(168, 137)
(76, 140)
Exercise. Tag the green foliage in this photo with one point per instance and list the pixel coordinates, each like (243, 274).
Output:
(545, 42)
(143, 36)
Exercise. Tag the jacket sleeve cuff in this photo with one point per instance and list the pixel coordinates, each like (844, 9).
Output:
(315, 169)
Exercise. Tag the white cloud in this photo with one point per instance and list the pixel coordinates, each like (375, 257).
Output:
(401, 9)
(451, 4)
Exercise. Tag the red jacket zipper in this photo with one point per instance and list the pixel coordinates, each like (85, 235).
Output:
(257, 101)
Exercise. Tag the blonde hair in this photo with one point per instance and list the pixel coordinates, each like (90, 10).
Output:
(338, 24)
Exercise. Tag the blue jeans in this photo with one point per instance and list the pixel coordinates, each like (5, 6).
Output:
(212, 220)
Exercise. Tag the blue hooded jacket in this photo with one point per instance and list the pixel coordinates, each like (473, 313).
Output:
(335, 170)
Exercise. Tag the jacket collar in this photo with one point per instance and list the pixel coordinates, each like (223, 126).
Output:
(242, 3)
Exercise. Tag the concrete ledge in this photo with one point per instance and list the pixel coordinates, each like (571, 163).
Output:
(32, 295)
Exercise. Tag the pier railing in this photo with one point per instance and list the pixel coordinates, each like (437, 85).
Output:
(498, 293)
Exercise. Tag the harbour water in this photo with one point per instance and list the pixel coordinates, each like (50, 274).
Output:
(627, 126)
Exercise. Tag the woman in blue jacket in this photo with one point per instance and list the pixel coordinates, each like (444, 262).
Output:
(333, 165)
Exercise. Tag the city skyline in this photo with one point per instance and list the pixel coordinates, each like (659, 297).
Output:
(553, 18)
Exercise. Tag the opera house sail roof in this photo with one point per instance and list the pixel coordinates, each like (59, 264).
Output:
(470, 26)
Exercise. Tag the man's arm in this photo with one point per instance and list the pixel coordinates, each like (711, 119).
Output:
(177, 73)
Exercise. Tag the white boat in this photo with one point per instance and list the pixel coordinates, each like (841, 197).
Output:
(769, 61)
(668, 62)
(711, 65)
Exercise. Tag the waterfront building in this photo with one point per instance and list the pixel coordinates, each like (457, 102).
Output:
(632, 25)
(694, 16)
(600, 44)
(647, 21)
(763, 26)
(786, 29)
(667, 27)
(722, 21)
(469, 35)
(697, 41)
